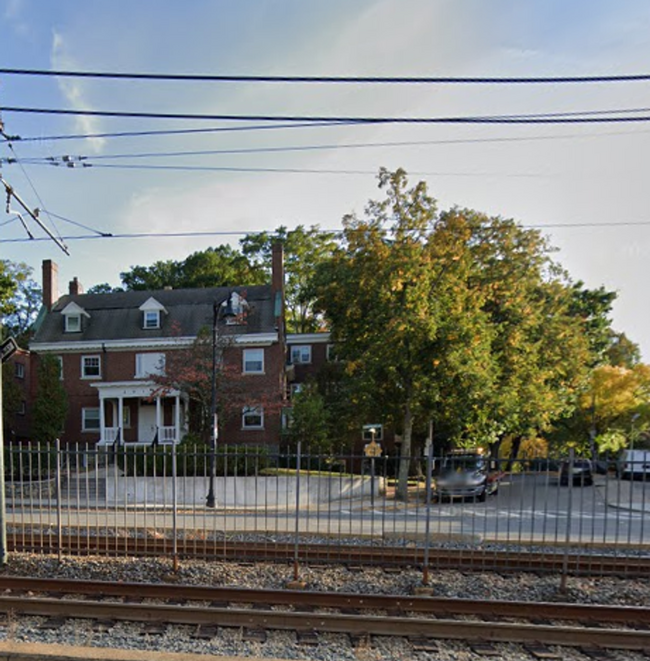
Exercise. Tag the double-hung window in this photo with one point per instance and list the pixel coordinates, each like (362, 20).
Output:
(301, 354)
(252, 417)
(91, 367)
(149, 363)
(90, 419)
(72, 323)
(151, 319)
(253, 361)
(20, 370)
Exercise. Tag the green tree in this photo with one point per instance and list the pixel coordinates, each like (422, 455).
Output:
(457, 318)
(104, 288)
(222, 266)
(310, 420)
(622, 352)
(304, 250)
(51, 403)
(22, 302)
(389, 293)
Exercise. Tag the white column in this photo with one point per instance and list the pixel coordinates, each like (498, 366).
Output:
(120, 417)
(158, 418)
(102, 418)
(177, 419)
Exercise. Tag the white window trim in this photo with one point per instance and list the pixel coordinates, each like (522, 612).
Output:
(69, 318)
(83, 368)
(19, 370)
(160, 364)
(145, 325)
(252, 409)
(84, 411)
(244, 361)
(300, 348)
(60, 359)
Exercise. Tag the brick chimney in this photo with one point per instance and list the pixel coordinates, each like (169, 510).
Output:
(50, 283)
(277, 285)
(75, 287)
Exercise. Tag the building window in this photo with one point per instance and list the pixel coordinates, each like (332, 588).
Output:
(90, 367)
(149, 363)
(253, 361)
(90, 419)
(151, 319)
(60, 359)
(22, 408)
(72, 323)
(19, 370)
(295, 389)
(331, 353)
(301, 355)
(252, 417)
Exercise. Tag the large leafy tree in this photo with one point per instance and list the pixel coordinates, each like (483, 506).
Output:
(455, 317)
(222, 266)
(392, 295)
(304, 249)
(51, 403)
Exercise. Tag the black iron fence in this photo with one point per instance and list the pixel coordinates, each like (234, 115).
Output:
(83, 493)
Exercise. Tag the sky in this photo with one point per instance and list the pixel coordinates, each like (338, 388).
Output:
(584, 185)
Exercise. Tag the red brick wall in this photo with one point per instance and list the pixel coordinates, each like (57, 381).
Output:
(267, 388)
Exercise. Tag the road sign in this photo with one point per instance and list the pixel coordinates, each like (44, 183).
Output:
(372, 449)
(7, 349)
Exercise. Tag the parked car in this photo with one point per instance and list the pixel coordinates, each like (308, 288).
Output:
(466, 474)
(634, 464)
(580, 471)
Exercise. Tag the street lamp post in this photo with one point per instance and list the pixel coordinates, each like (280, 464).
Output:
(210, 500)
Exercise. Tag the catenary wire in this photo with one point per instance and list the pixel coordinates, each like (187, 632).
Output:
(538, 118)
(332, 79)
(327, 147)
(197, 234)
(217, 168)
(131, 134)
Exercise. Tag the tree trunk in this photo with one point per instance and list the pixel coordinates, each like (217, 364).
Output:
(405, 456)
(514, 451)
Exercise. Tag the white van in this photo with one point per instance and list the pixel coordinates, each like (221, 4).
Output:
(634, 464)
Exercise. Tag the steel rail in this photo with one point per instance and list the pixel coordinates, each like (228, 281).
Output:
(439, 559)
(340, 600)
(332, 623)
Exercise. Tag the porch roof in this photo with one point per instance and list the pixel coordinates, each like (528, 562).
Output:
(124, 389)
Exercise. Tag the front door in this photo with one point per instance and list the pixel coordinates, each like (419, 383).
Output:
(146, 423)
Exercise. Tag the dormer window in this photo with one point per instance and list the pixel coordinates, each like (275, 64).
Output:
(151, 310)
(152, 319)
(73, 323)
(72, 314)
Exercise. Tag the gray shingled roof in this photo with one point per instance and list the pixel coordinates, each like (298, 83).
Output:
(117, 316)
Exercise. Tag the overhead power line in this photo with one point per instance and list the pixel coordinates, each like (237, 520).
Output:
(199, 234)
(392, 80)
(595, 116)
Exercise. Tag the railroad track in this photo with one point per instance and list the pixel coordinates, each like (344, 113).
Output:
(423, 619)
(584, 564)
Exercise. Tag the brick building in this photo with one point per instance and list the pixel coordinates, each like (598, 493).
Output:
(110, 345)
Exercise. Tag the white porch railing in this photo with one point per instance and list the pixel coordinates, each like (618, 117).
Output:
(166, 435)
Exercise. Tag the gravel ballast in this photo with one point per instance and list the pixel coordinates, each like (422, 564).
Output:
(282, 645)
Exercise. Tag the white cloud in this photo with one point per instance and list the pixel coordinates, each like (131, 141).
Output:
(73, 90)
